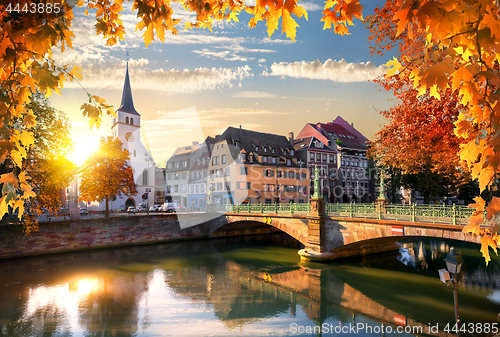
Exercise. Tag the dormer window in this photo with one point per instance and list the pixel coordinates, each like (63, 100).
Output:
(237, 144)
(256, 147)
(272, 150)
(292, 152)
(243, 156)
(265, 150)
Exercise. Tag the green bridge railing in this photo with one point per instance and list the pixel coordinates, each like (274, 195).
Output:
(453, 214)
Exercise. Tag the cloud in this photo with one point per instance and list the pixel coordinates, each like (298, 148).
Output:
(230, 54)
(253, 94)
(336, 71)
(104, 75)
(310, 6)
(262, 60)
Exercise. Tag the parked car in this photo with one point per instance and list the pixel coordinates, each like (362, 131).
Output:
(83, 211)
(154, 208)
(170, 207)
(131, 209)
(142, 208)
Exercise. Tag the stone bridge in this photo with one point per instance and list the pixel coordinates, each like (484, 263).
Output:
(327, 237)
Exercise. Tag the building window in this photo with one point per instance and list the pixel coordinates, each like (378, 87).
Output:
(169, 165)
(243, 185)
(272, 150)
(268, 188)
(289, 161)
(169, 176)
(274, 160)
(228, 171)
(237, 144)
(134, 153)
(243, 157)
(279, 174)
(318, 157)
(311, 156)
(185, 163)
(183, 175)
(215, 160)
(176, 177)
(244, 171)
(227, 186)
(324, 158)
(126, 120)
(211, 173)
(292, 152)
(177, 165)
(131, 121)
(223, 159)
(176, 188)
(268, 173)
(256, 148)
(219, 186)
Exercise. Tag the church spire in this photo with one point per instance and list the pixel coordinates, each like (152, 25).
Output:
(127, 102)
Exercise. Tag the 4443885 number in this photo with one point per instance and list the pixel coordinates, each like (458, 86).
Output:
(472, 328)
(34, 8)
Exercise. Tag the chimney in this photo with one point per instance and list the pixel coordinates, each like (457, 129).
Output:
(352, 124)
(195, 142)
(290, 137)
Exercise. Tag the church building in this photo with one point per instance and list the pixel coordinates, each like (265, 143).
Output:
(127, 128)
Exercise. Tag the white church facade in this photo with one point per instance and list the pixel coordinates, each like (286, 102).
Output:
(127, 128)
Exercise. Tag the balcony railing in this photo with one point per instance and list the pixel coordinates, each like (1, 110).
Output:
(452, 214)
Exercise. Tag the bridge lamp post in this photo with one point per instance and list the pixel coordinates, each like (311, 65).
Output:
(300, 162)
(454, 263)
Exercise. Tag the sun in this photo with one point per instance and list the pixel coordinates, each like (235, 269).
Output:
(84, 146)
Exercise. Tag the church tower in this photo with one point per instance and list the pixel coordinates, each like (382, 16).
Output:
(127, 128)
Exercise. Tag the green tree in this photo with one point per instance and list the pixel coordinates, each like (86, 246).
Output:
(46, 161)
(107, 173)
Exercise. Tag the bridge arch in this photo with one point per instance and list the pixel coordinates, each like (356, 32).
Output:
(293, 226)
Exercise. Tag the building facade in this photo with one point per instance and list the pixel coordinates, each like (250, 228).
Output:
(313, 152)
(353, 181)
(254, 167)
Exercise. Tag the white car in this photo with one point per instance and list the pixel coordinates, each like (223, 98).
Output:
(141, 208)
(170, 207)
(155, 208)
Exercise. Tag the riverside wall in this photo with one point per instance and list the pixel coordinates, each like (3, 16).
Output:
(73, 235)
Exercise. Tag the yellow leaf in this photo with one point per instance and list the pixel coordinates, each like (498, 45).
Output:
(148, 35)
(493, 208)
(289, 25)
(9, 178)
(396, 67)
(4, 207)
(487, 242)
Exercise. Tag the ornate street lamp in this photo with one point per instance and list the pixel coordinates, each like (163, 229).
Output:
(454, 263)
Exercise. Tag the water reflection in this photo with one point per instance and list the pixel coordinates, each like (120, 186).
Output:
(219, 288)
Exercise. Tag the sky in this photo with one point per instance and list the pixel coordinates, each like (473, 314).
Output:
(198, 82)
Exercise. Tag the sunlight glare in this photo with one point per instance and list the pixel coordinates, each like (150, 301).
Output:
(84, 147)
(86, 286)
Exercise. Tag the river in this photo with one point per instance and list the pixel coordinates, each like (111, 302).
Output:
(244, 287)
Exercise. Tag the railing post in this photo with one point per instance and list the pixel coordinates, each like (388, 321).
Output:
(275, 208)
(413, 218)
(379, 211)
(238, 208)
(261, 208)
(454, 213)
(351, 210)
(291, 208)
